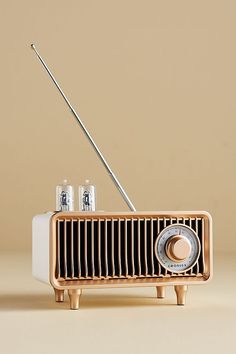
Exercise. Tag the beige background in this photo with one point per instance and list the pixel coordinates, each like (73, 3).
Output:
(154, 82)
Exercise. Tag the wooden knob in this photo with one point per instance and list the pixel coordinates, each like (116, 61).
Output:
(178, 248)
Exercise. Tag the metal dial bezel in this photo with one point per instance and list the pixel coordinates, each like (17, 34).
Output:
(163, 232)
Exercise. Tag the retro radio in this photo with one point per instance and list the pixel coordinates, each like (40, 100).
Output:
(91, 249)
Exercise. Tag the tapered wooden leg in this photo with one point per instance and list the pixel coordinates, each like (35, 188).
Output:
(59, 295)
(160, 292)
(74, 295)
(181, 291)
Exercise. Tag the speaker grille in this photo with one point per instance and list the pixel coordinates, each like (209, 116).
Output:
(116, 248)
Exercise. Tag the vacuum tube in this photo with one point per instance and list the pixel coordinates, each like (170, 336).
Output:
(87, 197)
(64, 197)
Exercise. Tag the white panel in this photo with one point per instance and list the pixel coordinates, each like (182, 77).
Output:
(40, 246)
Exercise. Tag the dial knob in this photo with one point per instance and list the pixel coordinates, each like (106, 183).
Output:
(178, 248)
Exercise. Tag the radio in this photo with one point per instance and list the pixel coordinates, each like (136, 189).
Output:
(90, 249)
(79, 250)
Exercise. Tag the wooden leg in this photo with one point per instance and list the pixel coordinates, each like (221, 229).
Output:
(160, 292)
(181, 291)
(59, 295)
(74, 295)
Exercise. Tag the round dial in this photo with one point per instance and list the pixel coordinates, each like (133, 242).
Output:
(177, 248)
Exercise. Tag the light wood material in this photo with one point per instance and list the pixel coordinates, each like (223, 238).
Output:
(160, 292)
(59, 295)
(74, 295)
(181, 291)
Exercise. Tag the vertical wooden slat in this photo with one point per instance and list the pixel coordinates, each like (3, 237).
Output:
(79, 258)
(158, 232)
(139, 263)
(92, 247)
(145, 246)
(58, 250)
(132, 247)
(105, 244)
(112, 248)
(65, 248)
(126, 246)
(72, 248)
(203, 245)
(152, 251)
(119, 248)
(85, 248)
(166, 272)
(99, 248)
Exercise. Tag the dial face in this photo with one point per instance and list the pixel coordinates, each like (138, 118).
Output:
(168, 236)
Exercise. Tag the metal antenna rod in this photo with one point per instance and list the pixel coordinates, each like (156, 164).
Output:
(112, 175)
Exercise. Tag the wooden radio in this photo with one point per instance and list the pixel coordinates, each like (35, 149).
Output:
(90, 249)
(79, 250)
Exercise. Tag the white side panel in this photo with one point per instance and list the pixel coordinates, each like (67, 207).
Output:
(40, 246)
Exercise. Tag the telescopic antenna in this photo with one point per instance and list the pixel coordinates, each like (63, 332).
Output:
(76, 116)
